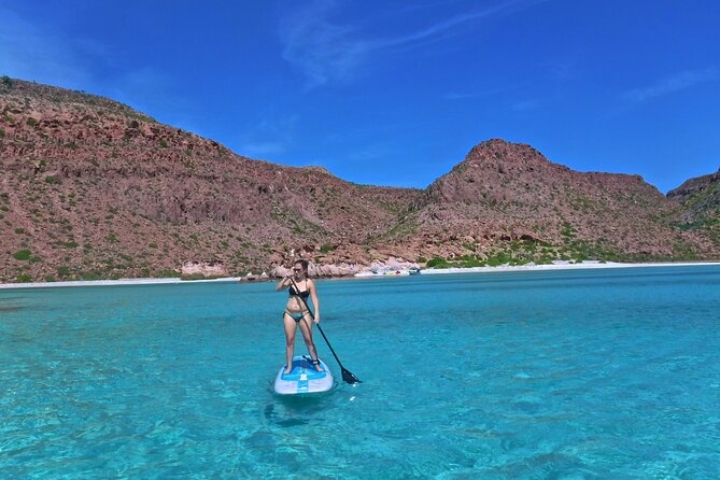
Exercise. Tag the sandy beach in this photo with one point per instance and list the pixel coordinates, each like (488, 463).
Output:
(100, 283)
(591, 264)
(364, 275)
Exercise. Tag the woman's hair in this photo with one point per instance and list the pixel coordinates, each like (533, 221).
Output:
(303, 263)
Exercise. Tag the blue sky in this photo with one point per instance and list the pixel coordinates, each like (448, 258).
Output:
(396, 93)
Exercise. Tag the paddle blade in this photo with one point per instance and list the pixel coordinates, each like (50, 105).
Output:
(349, 377)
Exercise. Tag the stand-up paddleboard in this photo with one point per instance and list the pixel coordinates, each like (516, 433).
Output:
(303, 378)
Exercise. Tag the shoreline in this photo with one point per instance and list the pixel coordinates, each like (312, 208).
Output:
(591, 264)
(123, 281)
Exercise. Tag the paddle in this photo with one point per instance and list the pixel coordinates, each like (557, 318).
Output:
(347, 375)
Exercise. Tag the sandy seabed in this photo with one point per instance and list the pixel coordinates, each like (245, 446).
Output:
(429, 271)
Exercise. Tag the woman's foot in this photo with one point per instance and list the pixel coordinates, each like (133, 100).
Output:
(316, 364)
(288, 370)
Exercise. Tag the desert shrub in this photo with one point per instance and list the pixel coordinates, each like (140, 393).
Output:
(470, 261)
(194, 276)
(501, 258)
(92, 276)
(22, 255)
(470, 246)
(168, 274)
(437, 262)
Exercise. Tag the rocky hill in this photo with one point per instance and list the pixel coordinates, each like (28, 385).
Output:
(508, 200)
(93, 189)
(699, 200)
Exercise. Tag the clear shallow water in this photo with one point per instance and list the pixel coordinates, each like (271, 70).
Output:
(593, 374)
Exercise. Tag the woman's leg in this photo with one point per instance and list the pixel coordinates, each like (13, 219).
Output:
(306, 329)
(290, 327)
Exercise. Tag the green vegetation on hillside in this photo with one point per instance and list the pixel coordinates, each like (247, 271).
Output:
(517, 253)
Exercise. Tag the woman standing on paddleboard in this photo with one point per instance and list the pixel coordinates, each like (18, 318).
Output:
(298, 314)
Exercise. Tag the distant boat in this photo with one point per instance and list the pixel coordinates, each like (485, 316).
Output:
(393, 272)
(388, 272)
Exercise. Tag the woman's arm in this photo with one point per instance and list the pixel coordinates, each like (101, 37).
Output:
(315, 301)
(282, 284)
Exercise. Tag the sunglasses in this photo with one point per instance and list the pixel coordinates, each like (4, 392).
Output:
(297, 269)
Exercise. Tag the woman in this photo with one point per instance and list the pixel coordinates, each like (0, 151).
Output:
(297, 312)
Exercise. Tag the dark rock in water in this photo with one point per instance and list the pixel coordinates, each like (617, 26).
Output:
(292, 422)
(269, 412)
(9, 309)
(271, 416)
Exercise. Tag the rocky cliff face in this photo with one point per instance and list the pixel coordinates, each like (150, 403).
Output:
(93, 189)
(699, 200)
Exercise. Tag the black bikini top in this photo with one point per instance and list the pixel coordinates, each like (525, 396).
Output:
(294, 293)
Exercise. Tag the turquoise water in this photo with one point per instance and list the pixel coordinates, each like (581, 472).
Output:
(575, 374)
